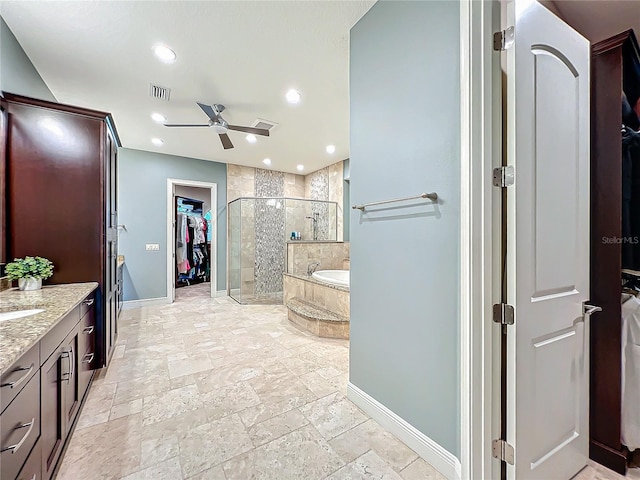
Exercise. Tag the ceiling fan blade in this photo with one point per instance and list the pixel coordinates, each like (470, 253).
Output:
(256, 131)
(226, 141)
(186, 125)
(208, 109)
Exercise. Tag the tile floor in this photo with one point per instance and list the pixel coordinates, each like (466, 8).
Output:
(206, 389)
(209, 389)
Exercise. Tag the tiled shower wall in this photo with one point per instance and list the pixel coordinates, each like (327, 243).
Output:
(262, 248)
(326, 184)
(269, 232)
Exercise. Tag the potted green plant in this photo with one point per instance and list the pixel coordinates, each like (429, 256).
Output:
(29, 271)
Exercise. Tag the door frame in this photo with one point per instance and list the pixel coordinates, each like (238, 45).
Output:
(480, 227)
(171, 271)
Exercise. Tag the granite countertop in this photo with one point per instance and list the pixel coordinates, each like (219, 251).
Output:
(295, 242)
(19, 335)
(313, 280)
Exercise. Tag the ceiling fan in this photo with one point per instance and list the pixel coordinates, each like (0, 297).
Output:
(220, 125)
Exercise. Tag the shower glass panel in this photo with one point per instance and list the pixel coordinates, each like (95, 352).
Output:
(259, 229)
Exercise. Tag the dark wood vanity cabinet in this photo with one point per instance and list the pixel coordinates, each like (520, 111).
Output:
(61, 190)
(56, 374)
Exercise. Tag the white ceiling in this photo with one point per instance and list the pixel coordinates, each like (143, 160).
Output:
(599, 19)
(243, 54)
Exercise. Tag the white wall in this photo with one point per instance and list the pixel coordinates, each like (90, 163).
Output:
(405, 140)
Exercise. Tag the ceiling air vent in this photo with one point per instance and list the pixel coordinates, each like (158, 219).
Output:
(161, 93)
(266, 124)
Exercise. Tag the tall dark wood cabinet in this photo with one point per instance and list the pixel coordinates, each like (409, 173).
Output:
(61, 191)
(612, 63)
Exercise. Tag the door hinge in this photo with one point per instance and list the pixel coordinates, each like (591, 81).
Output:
(503, 451)
(504, 39)
(503, 314)
(504, 176)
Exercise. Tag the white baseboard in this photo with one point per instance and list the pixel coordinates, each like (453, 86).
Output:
(442, 460)
(145, 302)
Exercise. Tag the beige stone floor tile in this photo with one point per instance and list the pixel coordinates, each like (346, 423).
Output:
(227, 375)
(116, 454)
(182, 381)
(318, 385)
(157, 450)
(264, 411)
(213, 443)
(333, 415)
(421, 470)
(215, 473)
(129, 390)
(124, 409)
(366, 467)
(277, 387)
(277, 426)
(188, 364)
(176, 426)
(207, 389)
(371, 436)
(301, 454)
(170, 404)
(167, 470)
(230, 399)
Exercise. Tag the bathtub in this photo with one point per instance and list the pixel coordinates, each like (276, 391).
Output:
(335, 277)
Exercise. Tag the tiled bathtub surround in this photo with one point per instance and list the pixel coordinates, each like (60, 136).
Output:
(208, 389)
(331, 256)
(317, 307)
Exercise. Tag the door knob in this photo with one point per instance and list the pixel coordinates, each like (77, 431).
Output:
(590, 309)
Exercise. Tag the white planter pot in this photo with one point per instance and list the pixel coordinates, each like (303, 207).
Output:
(29, 283)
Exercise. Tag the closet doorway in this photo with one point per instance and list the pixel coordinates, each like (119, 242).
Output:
(205, 192)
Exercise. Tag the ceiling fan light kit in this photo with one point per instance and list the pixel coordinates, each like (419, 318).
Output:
(220, 125)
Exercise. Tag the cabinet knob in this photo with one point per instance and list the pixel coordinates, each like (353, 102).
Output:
(89, 302)
(88, 330)
(88, 358)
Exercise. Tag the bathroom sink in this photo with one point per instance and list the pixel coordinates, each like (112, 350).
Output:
(19, 314)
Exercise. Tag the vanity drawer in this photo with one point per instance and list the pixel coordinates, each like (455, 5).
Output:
(54, 338)
(32, 469)
(87, 360)
(17, 376)
(88, 303)
(19, 429)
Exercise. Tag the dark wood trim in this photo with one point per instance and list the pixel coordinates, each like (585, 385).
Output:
(60, 107)
(605, 375)
(3, 173)
(615, 460)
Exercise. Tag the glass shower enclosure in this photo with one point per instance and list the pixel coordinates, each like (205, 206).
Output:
(259, 229)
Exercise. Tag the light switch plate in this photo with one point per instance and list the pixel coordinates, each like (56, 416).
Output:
(152, 246)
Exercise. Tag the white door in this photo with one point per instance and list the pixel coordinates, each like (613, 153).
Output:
(548, 244)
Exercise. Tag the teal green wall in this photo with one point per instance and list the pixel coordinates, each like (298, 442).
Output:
(17, 73)
(405, 260)
(142, 203)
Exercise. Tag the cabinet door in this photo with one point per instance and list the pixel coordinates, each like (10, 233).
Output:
(71, 387)
(51, 408)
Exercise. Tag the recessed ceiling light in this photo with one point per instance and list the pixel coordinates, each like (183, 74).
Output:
(293, 96)
(251, 138)
(157, 117)
(300, 167)
(157, 141)
(164, 53)
(267, 161)
(331, 149)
